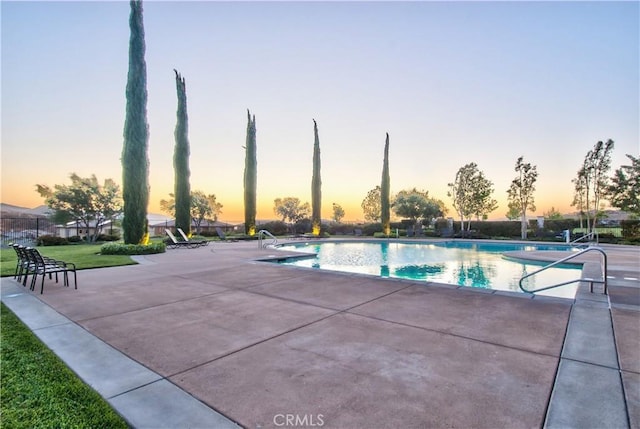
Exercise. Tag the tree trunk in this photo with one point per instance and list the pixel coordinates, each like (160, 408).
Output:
(523, 226)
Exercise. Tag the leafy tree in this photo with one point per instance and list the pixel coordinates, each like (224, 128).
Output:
(135, 162)
(204, 207)
(520, 194)
(625, 187)
(592, 182)
(552, 214)
(316, 185)
(417, 205)
(250, 177)
(579, 195)
(182, 190)
(85, 200)
(371, 205)
(471, 194)
(289, 208)
(338, 212)
(385, 190)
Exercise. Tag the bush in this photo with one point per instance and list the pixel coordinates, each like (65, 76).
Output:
(132, 249)
(108, 237)
(277, 227)
(74, 239)
(51, 240)
(631, 230)
(371, 228)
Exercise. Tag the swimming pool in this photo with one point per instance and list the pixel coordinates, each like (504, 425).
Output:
(473, 264)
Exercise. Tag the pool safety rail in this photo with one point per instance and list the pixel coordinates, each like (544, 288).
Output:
(261, 237)
(568, 258)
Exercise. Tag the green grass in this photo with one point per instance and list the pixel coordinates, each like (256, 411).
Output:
(39, 391)
(83, 255)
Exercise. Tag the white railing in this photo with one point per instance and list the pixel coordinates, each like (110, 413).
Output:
(261, 237)
(584, 279)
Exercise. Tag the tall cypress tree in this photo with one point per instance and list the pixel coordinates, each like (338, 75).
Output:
(250, 177)
(316, 184)
(182, 192)
(385, 190)
(135, 162)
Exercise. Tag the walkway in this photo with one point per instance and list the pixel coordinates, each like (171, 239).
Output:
(209, 337)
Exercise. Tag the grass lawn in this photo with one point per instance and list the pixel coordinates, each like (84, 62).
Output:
(39, 391)
(83, 255)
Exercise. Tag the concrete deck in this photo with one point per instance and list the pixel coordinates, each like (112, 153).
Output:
(210, 337)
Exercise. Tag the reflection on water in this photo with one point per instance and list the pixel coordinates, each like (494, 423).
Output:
(418, 272)
(477, 264)
(475, 275)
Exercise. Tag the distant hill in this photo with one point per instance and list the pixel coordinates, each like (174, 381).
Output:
(9, 210)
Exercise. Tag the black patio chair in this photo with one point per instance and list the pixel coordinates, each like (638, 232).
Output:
(22, 263)
(43, 266)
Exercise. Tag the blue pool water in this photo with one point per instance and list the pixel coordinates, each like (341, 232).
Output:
(474, 264)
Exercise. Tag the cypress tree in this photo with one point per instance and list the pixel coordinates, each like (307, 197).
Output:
(135, 162)
(316, 184)
(250, 177)
(385, 187)
(182, 192)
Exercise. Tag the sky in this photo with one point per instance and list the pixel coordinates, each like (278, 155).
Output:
(451, 82)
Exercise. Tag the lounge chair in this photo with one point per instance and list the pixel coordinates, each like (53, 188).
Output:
(176, 244)
(222, 235)
(197, 243)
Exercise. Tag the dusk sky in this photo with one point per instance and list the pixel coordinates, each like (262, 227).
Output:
(451, 82)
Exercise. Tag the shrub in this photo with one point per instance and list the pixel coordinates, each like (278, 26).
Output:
(276, 227)
(371, 228)
(631, 230)
(108, 237)
(340, 228)
(132, 249)
(51, 240)
(75, 239)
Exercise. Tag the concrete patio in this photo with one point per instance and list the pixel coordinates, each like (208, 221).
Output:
(211, 337)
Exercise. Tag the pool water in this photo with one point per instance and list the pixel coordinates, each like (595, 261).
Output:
(478, 265)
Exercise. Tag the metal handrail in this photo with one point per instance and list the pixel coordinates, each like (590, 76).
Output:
(261, 235)
(586, 279)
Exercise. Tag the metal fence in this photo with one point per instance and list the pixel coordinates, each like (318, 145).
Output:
(24, 231)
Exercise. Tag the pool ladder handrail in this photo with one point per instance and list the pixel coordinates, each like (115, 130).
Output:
(261, 234)
(565, 259)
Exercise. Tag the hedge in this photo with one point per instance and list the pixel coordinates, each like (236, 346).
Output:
(132, 249)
